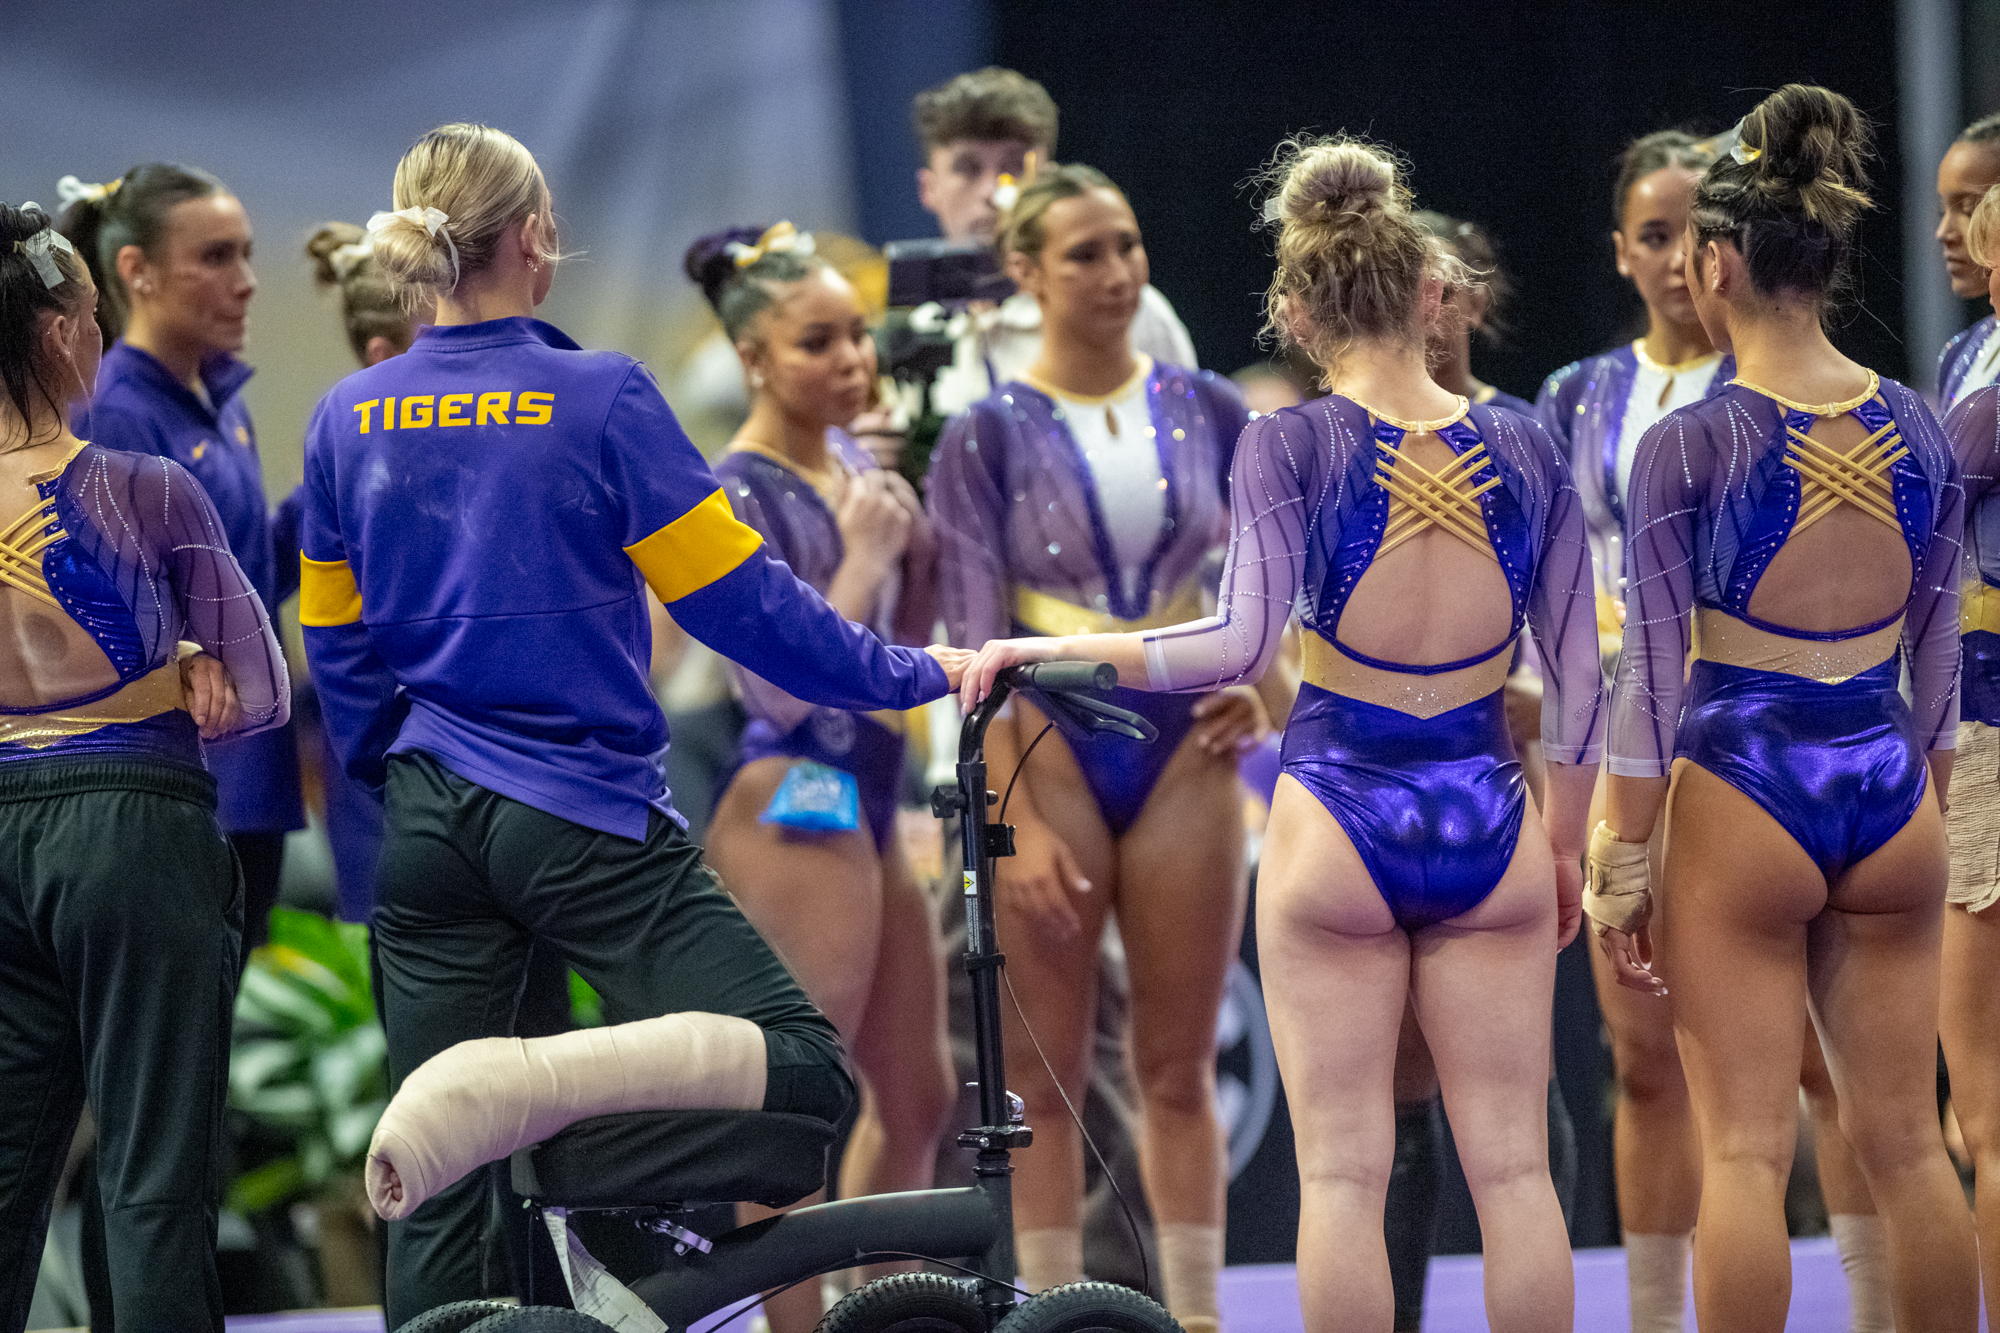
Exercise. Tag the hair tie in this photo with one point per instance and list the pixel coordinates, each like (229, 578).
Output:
(1007, 192)
(71, 191)
(1731, 142)
(344, 259)
(41, 247)
(432, 220)
(779, 239)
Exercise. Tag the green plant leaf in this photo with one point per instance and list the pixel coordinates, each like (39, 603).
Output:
(351, 1063)
(315, 1158)
(586, 1009)
(281, 1003)
(350, 1130)
(252, 1064)
(267, 1186)
(288, 1105)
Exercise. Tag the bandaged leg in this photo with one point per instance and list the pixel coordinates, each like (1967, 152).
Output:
(1864, 1255)
(1656, 1274)
(1190, 1257)
(1049, 1256)
(480, 1100)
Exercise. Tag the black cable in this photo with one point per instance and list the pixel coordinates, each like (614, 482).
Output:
(1001, 818)
(1145, 1268)
(946, 1263)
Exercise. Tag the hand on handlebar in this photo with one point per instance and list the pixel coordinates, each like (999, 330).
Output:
(953, 660)
(995, 657)
(1040, 877)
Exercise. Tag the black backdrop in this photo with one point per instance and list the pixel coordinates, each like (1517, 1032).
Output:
(1512, 115)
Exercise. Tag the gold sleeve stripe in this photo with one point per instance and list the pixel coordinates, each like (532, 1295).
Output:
(695, 549)
(327, 593)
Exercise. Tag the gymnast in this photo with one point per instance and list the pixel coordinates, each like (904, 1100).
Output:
(1416, 534)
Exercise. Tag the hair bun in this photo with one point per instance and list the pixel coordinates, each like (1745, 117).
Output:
(1812, 148)
(708, 263)
(320, 249)
(18, 224)
(1333, 178)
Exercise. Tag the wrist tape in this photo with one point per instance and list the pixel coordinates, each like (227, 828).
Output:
(1617, 882)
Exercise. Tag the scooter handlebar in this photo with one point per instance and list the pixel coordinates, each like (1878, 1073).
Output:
(1063, 677)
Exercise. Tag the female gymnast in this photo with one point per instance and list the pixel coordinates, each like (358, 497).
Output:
(170, 249)
(1969, 1013)
(1086, 496)
(1971, 359)
(121, 913)
(483, 516)
(1415, 534)
(840, 904)
(1804, 870)
(1475, 308)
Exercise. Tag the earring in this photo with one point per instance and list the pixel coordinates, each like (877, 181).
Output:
(756, 379)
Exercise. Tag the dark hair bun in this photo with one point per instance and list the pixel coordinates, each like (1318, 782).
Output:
(18, 224)
(1813, 149)
(320, 249)
(710, 266)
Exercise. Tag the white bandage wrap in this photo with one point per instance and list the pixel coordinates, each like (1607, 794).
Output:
(1617, 884)
(480, 1100)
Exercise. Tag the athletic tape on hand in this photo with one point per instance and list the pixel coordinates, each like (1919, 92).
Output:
(1617, 883)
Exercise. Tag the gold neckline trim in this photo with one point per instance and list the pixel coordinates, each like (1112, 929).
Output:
(1418, 427)
(1679, 367)
(1136, 378)
(1817, 409)
(822, 482)
(50, 474)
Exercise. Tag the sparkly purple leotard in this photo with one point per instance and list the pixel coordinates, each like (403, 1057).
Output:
(1432, 804)
(1021, 526)
(800, 529)
(1974, 431)
(1826, 744)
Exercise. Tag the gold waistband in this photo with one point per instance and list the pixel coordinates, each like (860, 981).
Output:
(1052, 616)
(1721, 637)
(1979, 608)
(1325, 666)
(156, 692)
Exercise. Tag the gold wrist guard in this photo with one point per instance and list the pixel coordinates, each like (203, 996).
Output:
(1617, 883)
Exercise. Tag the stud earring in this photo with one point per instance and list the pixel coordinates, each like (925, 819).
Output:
(756, 379)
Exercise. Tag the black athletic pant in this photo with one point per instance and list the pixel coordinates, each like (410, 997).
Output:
(262, 856)
(468, 879)
(121, 915)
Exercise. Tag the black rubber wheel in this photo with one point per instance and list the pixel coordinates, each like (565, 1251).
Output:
(1079, 1307)
(539, 1319)
(908, 1303)
(454, 1318)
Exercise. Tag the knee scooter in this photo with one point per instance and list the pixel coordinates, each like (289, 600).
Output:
(661, 1166)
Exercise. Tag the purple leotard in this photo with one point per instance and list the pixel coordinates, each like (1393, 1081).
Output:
(1838, 762)
(1432, 805)
(1016, 507)
(1957, 360)
(1974, 431)
(800, 529)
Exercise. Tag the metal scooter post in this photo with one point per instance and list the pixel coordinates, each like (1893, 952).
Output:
(1000, 1112)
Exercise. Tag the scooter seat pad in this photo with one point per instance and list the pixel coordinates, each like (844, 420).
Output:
(649, 1159)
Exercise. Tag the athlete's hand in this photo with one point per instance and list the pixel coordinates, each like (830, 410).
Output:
(211, 696)
(1632, 959)
(1230, 721)
(953, 660)
(921, 539)
(1569, 897)
(997, 656)
(874, 525)
(1040, 879)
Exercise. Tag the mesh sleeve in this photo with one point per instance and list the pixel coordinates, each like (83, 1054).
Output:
(760, 697)
(969, 512)
(1973, 428)
(1672, 459)
(1930, 626)
(1562, 612)
(1269, 514)
(219, 609)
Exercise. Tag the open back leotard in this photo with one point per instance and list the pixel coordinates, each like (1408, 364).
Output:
(799, 527)
(1024, 547)
(1432, 800)
(1809, 725)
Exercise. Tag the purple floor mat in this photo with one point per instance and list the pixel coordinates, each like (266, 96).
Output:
(1263, 1298)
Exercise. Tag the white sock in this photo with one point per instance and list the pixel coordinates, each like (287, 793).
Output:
(1864, 1255)
(1656, 1269)
(478, 1101)
(1049, 1256)
(1190, 1257)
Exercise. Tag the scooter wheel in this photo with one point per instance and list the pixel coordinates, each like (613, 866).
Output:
(539, 1319)
(1080, 1307)
(908, 1303)
(454, 1318)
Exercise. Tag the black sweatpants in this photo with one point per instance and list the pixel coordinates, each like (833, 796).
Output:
(469, 879)
(121, 917)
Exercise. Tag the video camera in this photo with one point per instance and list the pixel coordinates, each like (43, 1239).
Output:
(929, 281)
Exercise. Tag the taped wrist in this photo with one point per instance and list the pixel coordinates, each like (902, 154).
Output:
(478, 1101)
(1617, 882)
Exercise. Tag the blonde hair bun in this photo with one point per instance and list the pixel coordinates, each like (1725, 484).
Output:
(1338, 176)
(485, 182)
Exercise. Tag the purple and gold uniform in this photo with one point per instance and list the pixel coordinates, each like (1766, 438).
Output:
(482, 516)
(140, 407)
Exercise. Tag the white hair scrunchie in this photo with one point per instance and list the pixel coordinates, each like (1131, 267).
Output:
(71, 190)
(41, 247)
(432, 220)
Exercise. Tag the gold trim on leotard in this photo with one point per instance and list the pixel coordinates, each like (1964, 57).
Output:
(1447, 499)
(1979, 608)
(1677, 368)
(22, 543)
(158, 691)
(1418, 427)
(1323, 665)
(1859, 477)
(1819, 409)
(1132, 381)
(1721, 637)
(1045, 614)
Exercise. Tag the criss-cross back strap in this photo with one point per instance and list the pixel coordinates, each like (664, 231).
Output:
(21, 545)
(1859, 477)
(1420, 498)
